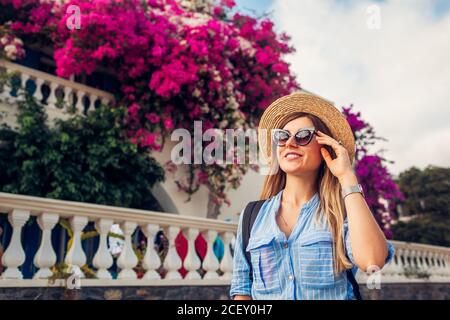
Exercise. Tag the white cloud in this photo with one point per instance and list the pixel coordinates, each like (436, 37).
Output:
(397, 76)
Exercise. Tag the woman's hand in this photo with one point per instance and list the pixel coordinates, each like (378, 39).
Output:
(341, 166)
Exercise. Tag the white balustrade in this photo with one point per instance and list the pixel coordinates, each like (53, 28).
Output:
(79, 106)
(226, 265)
(23, 82)
(68, 96)
(6, 90)
(37, 94)
(76, 258)
(14, 256)
(172, 262)
(210, 262)
(45, 257)
(152, 260)
(103, 259)
(430, 263)
(51, 100)
(55, 84)
(92, 99)
(128, 259)
(192, 262)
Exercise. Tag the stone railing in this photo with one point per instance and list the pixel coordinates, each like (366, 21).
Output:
(52, 91)
(48, 212)
(414, 262)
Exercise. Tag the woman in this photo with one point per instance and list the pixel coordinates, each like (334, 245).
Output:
(315, 223)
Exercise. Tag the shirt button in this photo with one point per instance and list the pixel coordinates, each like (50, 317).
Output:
(290, 277)
(285, 245)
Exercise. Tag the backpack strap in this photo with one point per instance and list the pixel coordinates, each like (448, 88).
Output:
(250, 213)
(354, 284)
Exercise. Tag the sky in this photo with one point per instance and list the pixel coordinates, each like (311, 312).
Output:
(397, 75)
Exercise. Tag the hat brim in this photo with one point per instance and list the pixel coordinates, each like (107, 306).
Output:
(280, 109)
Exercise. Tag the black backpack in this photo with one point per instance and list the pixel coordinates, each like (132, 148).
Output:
(250, 213)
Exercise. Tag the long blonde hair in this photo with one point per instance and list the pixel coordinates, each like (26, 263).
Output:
(331, 203)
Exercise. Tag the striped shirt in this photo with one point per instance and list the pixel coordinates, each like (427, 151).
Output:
(297, 268)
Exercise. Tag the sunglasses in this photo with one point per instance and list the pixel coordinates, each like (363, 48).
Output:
(301, 138)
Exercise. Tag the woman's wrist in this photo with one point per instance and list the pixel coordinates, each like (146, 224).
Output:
(348, 179)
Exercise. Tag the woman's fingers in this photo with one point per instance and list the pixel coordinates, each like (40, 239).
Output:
(329, 141)
(326, 155)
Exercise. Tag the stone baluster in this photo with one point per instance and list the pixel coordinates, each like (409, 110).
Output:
(127, 259)
(92, 99)
(388, 270)
(446, 259)
(420, 260)
(226, 265)
(6, 90)
(441, 272)
(51, 101)
(23, 86)
(103, 259)
(402, 261)
(397, 269)
(434, 267)
(105, 101)
(408, 259)
(151, 260)
(14, 256)
(75, 257)
(38, 92)
(68, 97)
(210, 262)
(45, 257)
(413, 258)
(79, 105)
(172, 262)
(192, 262)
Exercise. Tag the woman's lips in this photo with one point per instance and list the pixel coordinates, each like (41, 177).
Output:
(292, 156)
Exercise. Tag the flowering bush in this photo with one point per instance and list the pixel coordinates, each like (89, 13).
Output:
(81, 159)
(177, 61)
(11, 47)
(380, 190)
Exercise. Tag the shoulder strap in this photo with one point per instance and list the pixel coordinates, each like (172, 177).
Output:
(250, 213)
(354, 284)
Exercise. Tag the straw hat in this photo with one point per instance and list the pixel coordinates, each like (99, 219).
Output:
(303, 101)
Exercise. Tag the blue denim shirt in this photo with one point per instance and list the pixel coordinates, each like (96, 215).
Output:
(300, 267)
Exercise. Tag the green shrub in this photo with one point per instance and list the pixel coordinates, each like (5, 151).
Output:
(86, 158)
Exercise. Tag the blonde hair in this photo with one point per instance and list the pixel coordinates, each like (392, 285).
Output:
(331, 202)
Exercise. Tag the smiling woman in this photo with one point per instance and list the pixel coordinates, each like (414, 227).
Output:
(311, 233)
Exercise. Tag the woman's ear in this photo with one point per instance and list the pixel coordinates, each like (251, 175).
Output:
(330, 151)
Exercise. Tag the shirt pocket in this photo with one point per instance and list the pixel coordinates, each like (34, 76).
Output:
(264, 264)
(316, 260)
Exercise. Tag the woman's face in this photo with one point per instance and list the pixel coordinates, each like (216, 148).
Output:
(310, 156)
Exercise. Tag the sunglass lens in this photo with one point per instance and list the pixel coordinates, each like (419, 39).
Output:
(281, 137)
(303, 137)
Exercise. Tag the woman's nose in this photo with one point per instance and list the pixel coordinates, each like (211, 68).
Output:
(291, 141)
